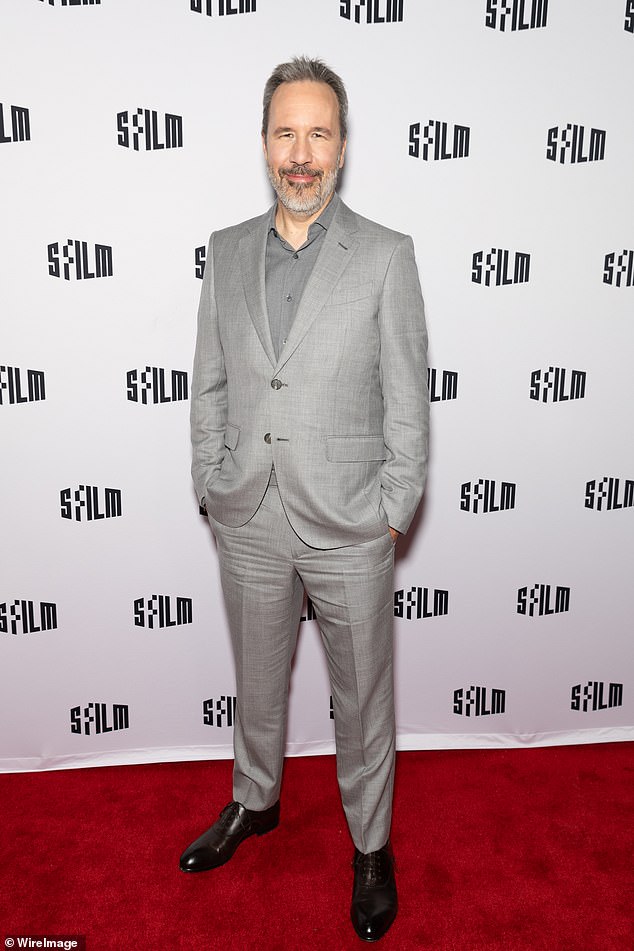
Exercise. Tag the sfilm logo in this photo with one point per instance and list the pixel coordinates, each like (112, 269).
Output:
(376, 11)
(484, 496)
(443, 388)
(541, 599)
(629, 16)
(417, 603)
(438, 142)
(27, 617)
(146, 126)
(606, 494)
(96, 715)
(474, 701)
(20, 124)
(497, 267)
(151, 386)
(79, 261)
(93, 502)
(17, 390)
(549, 386)
(161, 610)
(596, 695)
(200, 257)
(566, 144)
(518, 14)
(619, 271)
(222, 7)
(220, 712)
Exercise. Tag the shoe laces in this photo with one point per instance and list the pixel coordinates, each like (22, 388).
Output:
(229, 814)
(372, 868)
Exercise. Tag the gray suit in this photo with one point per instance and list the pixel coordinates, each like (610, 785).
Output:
(343, 416)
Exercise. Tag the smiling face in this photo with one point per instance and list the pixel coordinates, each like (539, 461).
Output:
(303, 147)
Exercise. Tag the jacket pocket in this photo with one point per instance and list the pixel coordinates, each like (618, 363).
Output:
(347, 295)
(355, 449)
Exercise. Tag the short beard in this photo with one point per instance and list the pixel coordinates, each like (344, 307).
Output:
(300, 199)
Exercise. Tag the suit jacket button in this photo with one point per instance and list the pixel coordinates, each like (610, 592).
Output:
(267, 438)
(277, 384)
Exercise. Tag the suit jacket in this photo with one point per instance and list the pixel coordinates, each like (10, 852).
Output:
(343, 413)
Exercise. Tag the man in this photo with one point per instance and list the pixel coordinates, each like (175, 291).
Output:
(309, 430)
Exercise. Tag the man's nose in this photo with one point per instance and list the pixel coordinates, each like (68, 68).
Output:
(301, 153)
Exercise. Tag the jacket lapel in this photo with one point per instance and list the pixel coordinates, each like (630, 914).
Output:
(252, 259)
(339, 246)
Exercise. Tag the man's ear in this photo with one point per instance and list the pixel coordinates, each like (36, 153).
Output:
(264, 146)
(343, 153)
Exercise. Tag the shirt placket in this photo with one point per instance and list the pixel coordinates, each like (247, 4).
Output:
(289, 293)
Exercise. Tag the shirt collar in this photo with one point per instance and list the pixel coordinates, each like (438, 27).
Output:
(324, 220)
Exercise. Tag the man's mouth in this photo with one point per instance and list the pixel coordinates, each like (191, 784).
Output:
(301, 178)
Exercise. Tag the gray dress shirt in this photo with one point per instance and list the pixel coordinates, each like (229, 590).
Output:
(287, 271)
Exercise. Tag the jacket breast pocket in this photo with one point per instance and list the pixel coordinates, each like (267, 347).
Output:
(355, 449)
(348, 295)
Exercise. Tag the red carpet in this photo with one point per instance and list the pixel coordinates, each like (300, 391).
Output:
(520, 850)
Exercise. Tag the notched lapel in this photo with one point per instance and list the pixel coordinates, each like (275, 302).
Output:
(338, 249)
(252, 263)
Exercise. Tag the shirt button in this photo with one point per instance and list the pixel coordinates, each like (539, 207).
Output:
(267, 438)
(296, 255)
(289, 297)
(277, 384)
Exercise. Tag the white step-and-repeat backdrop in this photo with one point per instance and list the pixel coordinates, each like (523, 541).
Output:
(500, 134)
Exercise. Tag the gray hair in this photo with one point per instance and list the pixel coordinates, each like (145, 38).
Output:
(302, 69)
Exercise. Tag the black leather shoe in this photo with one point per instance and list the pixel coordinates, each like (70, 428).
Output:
(235, 824)
(374, 902)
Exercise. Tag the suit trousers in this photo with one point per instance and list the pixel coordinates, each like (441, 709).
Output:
(264, 567)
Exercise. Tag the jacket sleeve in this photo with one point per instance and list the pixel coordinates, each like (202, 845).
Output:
(208, 413)
(403, 369)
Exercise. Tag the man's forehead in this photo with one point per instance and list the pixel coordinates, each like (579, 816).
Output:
(304, 91)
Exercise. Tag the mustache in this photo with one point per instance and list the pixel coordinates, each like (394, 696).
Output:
(301, 170)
